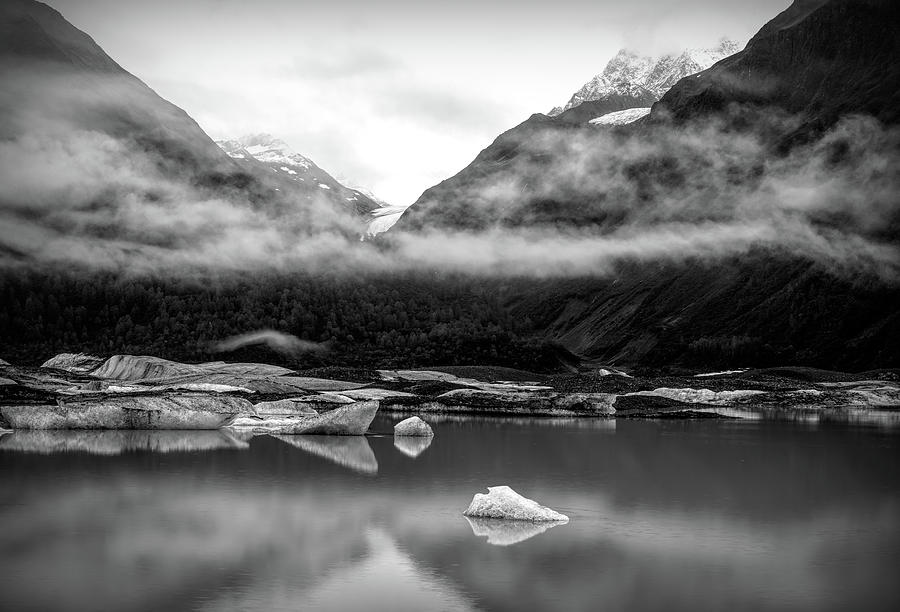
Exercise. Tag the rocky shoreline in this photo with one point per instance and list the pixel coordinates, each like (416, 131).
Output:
(75, 391)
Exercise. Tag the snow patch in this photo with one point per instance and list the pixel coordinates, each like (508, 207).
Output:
(621, 117)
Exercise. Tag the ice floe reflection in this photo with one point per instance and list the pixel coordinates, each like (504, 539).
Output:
(500, 532)
(116, 442)
(412, 446)
(352, 452)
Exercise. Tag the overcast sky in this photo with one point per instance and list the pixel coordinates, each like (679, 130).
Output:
(392, 95)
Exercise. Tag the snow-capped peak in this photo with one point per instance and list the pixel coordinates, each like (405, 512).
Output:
(631, 74)
(267, 149)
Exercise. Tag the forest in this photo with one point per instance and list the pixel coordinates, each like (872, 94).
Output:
(363, 320)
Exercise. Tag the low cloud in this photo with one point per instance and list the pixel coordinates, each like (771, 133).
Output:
(280, 342)
(76, 195)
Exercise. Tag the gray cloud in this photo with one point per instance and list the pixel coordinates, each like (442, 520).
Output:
(280, 342)
(75, 196)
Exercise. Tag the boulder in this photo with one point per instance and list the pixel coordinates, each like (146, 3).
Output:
(413, 426)
(77, 363)
(504, 503)
(138, 411)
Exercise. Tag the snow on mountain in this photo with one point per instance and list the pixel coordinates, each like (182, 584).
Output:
(621, 117)
(630, 74)
(296, 169)
(269, 150)
(384, 219)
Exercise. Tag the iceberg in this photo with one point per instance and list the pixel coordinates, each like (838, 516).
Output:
(349, 420)
(139, 411)
(504, 503)
(413, 426)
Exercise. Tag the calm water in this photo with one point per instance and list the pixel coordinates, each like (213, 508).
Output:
(701, 515)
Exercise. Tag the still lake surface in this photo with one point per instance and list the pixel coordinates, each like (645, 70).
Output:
(664, 515)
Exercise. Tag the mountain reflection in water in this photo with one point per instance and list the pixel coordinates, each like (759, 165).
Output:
(692, 515)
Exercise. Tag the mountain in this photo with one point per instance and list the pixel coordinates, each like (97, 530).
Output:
(96, 162)
(637, 76)
(515, 164)
(821, 59)
(308, 180)
(54, 73)
(794, 134)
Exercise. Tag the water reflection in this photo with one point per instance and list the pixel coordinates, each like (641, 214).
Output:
(506, 533)
(352, 452)
(116, 442)
(700, 515)
(412, 446)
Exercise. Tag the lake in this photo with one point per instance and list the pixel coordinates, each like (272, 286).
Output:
(664, 515)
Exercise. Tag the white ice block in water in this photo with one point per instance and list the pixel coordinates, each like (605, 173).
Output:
(413, 426)
(504, 503)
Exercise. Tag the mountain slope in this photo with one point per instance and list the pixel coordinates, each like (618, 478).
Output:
(504, 184)
(95, 163)
(630, 74)
(305, 177)
(819, 58)
(714, 151)
(61, 75)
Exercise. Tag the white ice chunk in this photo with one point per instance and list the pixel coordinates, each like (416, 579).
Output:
(504, 503)
(413, 426)
(323, 186)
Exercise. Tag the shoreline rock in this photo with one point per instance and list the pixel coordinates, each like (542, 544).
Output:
(140, 411)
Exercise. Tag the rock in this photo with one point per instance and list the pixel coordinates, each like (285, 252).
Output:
(352, 452)
(349, 420)
(141, 367)
(412, 447)
(504, 503)
(78, 363)
(372, 393)
(108, 442)
(700, 396)
(534, 403)
(413, 426)
(416, 375)
(285, 407)
(500, 532)
(139, 411)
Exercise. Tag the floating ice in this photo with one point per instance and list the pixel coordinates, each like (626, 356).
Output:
(413, 426)
(504, 503)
